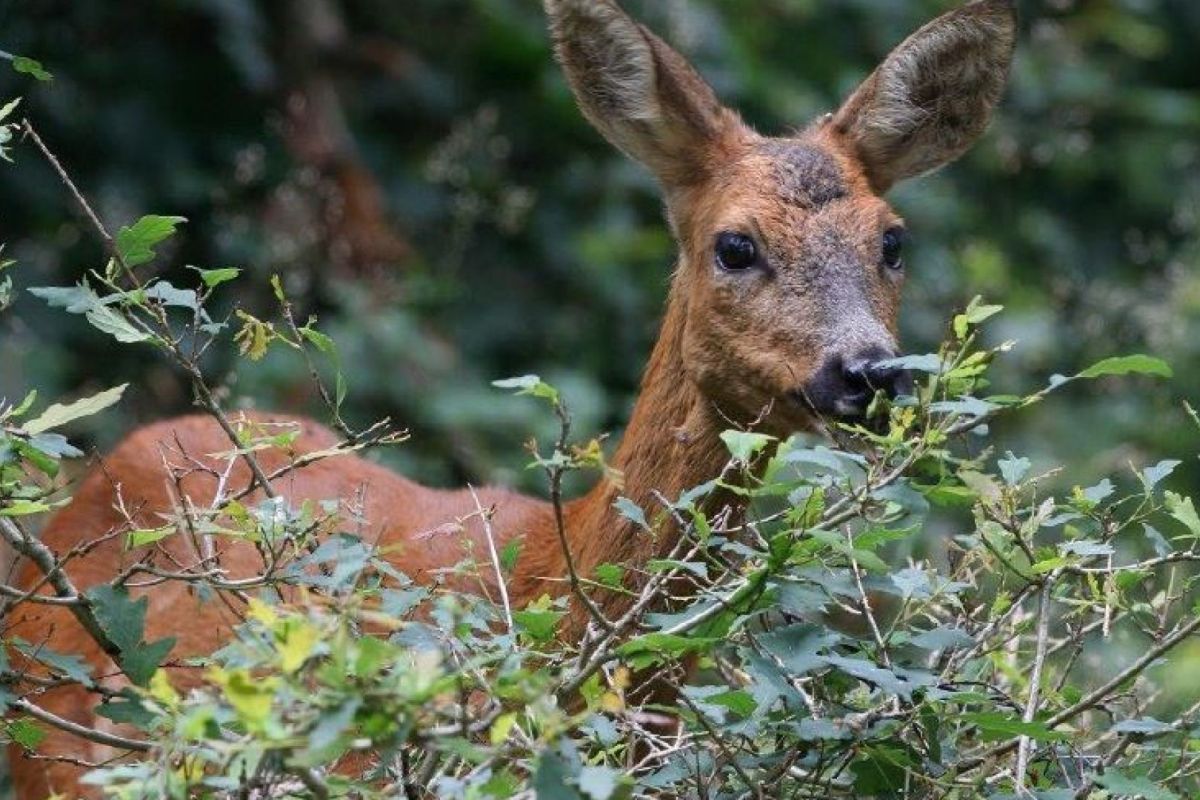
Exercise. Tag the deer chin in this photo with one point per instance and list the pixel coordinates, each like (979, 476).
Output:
(822, 413)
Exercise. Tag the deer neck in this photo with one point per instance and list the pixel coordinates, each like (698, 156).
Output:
(672, 444)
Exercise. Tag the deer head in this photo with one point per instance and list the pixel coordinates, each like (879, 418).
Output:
(791, 265)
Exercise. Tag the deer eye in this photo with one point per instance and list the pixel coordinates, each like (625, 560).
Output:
(736, 252)
(893, 248)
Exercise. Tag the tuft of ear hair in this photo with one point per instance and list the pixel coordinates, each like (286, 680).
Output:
(639, 93)
(933, 96)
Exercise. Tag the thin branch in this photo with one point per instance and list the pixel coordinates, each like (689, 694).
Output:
(555, 474)
(1093, 698)
(44, 559)
(1035, 681)
(485, 517)
(82, 731)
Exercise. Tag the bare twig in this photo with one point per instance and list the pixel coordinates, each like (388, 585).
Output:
(1035, 680)
(485, 518)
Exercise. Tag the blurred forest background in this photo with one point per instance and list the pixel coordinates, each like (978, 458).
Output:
(418, 175)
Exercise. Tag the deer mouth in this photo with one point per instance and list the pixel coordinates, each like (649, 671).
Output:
(828, 408)
(830, 411)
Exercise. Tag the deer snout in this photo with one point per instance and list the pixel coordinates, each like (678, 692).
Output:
(845, 384)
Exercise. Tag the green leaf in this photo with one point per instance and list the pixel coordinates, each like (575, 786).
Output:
(168, 295)
(1145, 726)
(82, 300)
(501, 786)
(27, 66)
(1184, 511)
(115, 325)
(215, 277)
(666, 644)
(122, 619)
(880, 770)
(977, 312)
(929, 363)
(74, 299)
(6, 136)
(339, 391)
(744, 445)
(136, 242)
(1014, 469)
(8, 108)
(144, 536)
(530, 385)
(326, 739)
(25, 732)
(70, 665)
(538, 624)
(598, 783)
(993, 726)
(1152, 476)
(632, 512)
(141, 662)
(974, 314)
(54, 445)
(26, 404)
(1049, 565)
(610, 575)
(943, 637)
(127, 712)
(550, 780)
(373, 655)
(1125, 365)
(1118, 783)
(58, 415)
(319, 340)
(48, 464)
(23, 508)
(509, 555)
(501, 728)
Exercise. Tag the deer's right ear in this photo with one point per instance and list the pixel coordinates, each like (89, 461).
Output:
(642, 95)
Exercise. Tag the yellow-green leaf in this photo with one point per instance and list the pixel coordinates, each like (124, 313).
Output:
(297, 644)
(57, 415)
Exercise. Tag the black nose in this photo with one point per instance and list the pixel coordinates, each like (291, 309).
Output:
(845, 385)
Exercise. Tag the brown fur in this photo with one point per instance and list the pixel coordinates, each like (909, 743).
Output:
(734, 347)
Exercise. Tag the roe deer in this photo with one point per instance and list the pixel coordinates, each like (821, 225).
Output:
(783, 302)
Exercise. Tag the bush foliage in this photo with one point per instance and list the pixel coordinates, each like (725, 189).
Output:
(815, 652)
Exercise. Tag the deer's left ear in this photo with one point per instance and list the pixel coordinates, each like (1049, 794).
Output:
(642, 95)
(933, 95)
